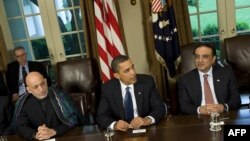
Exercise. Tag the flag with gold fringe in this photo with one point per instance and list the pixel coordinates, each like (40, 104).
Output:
(167, 48)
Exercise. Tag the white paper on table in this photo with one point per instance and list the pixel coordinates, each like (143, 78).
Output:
(139, 131)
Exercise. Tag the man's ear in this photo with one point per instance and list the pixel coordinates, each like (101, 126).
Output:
(214, 59)
(28, 89)
(116, 75)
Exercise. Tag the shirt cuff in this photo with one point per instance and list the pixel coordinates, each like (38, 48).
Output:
(198, 110)
(111, 126)
(152, 119)
(226, 108)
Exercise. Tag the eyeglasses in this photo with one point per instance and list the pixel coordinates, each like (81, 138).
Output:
(21, 55)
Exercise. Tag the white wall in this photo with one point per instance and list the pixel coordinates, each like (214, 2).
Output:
(133, 28)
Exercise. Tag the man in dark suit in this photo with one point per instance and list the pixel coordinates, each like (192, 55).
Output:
(44, 112)
(147, 107)
(5, 113)
(193, 88)
(3, 88)
(5, 107)
(14, 74)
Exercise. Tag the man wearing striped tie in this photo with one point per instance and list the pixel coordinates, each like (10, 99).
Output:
(130, 100)
(209, 87)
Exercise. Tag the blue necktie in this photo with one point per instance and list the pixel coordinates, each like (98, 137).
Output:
(128, 105)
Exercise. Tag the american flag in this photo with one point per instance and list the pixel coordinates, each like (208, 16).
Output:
(166, 39)
(108, 35)
(156, 6)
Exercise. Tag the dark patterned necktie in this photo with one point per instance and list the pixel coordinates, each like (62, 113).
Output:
(128, 105)
(208, 93)
(24, 73)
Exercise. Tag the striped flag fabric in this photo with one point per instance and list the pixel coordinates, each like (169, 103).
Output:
(108, 36)
(156, 6)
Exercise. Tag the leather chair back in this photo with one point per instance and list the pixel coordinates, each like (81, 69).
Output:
(237, 51)
(187, 63)
(47, 66)
(80, 78)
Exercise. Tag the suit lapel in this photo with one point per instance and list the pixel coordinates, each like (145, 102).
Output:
(30, 66)
(118, 99)
(138, 91)
(16, 73)
(197, 86)
(216, 81)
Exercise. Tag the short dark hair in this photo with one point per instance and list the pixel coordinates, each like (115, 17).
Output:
(18, 48)
(116, 61)
(208, 45)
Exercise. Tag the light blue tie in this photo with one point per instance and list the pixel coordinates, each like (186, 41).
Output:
(128, 105)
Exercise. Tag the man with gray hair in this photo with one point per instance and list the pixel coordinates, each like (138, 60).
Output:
(17, 70)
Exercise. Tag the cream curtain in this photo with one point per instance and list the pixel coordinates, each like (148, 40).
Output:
(183, 21)
(4, 58)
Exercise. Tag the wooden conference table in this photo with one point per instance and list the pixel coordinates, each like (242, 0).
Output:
(175, 128)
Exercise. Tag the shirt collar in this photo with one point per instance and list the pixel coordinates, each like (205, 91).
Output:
(26, 65)
(123, 86)
(209, 72)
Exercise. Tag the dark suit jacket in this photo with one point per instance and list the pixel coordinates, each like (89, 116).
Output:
(12, 74)
(226, 91)
(5, 113)
(3, 88)
(147, 97)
